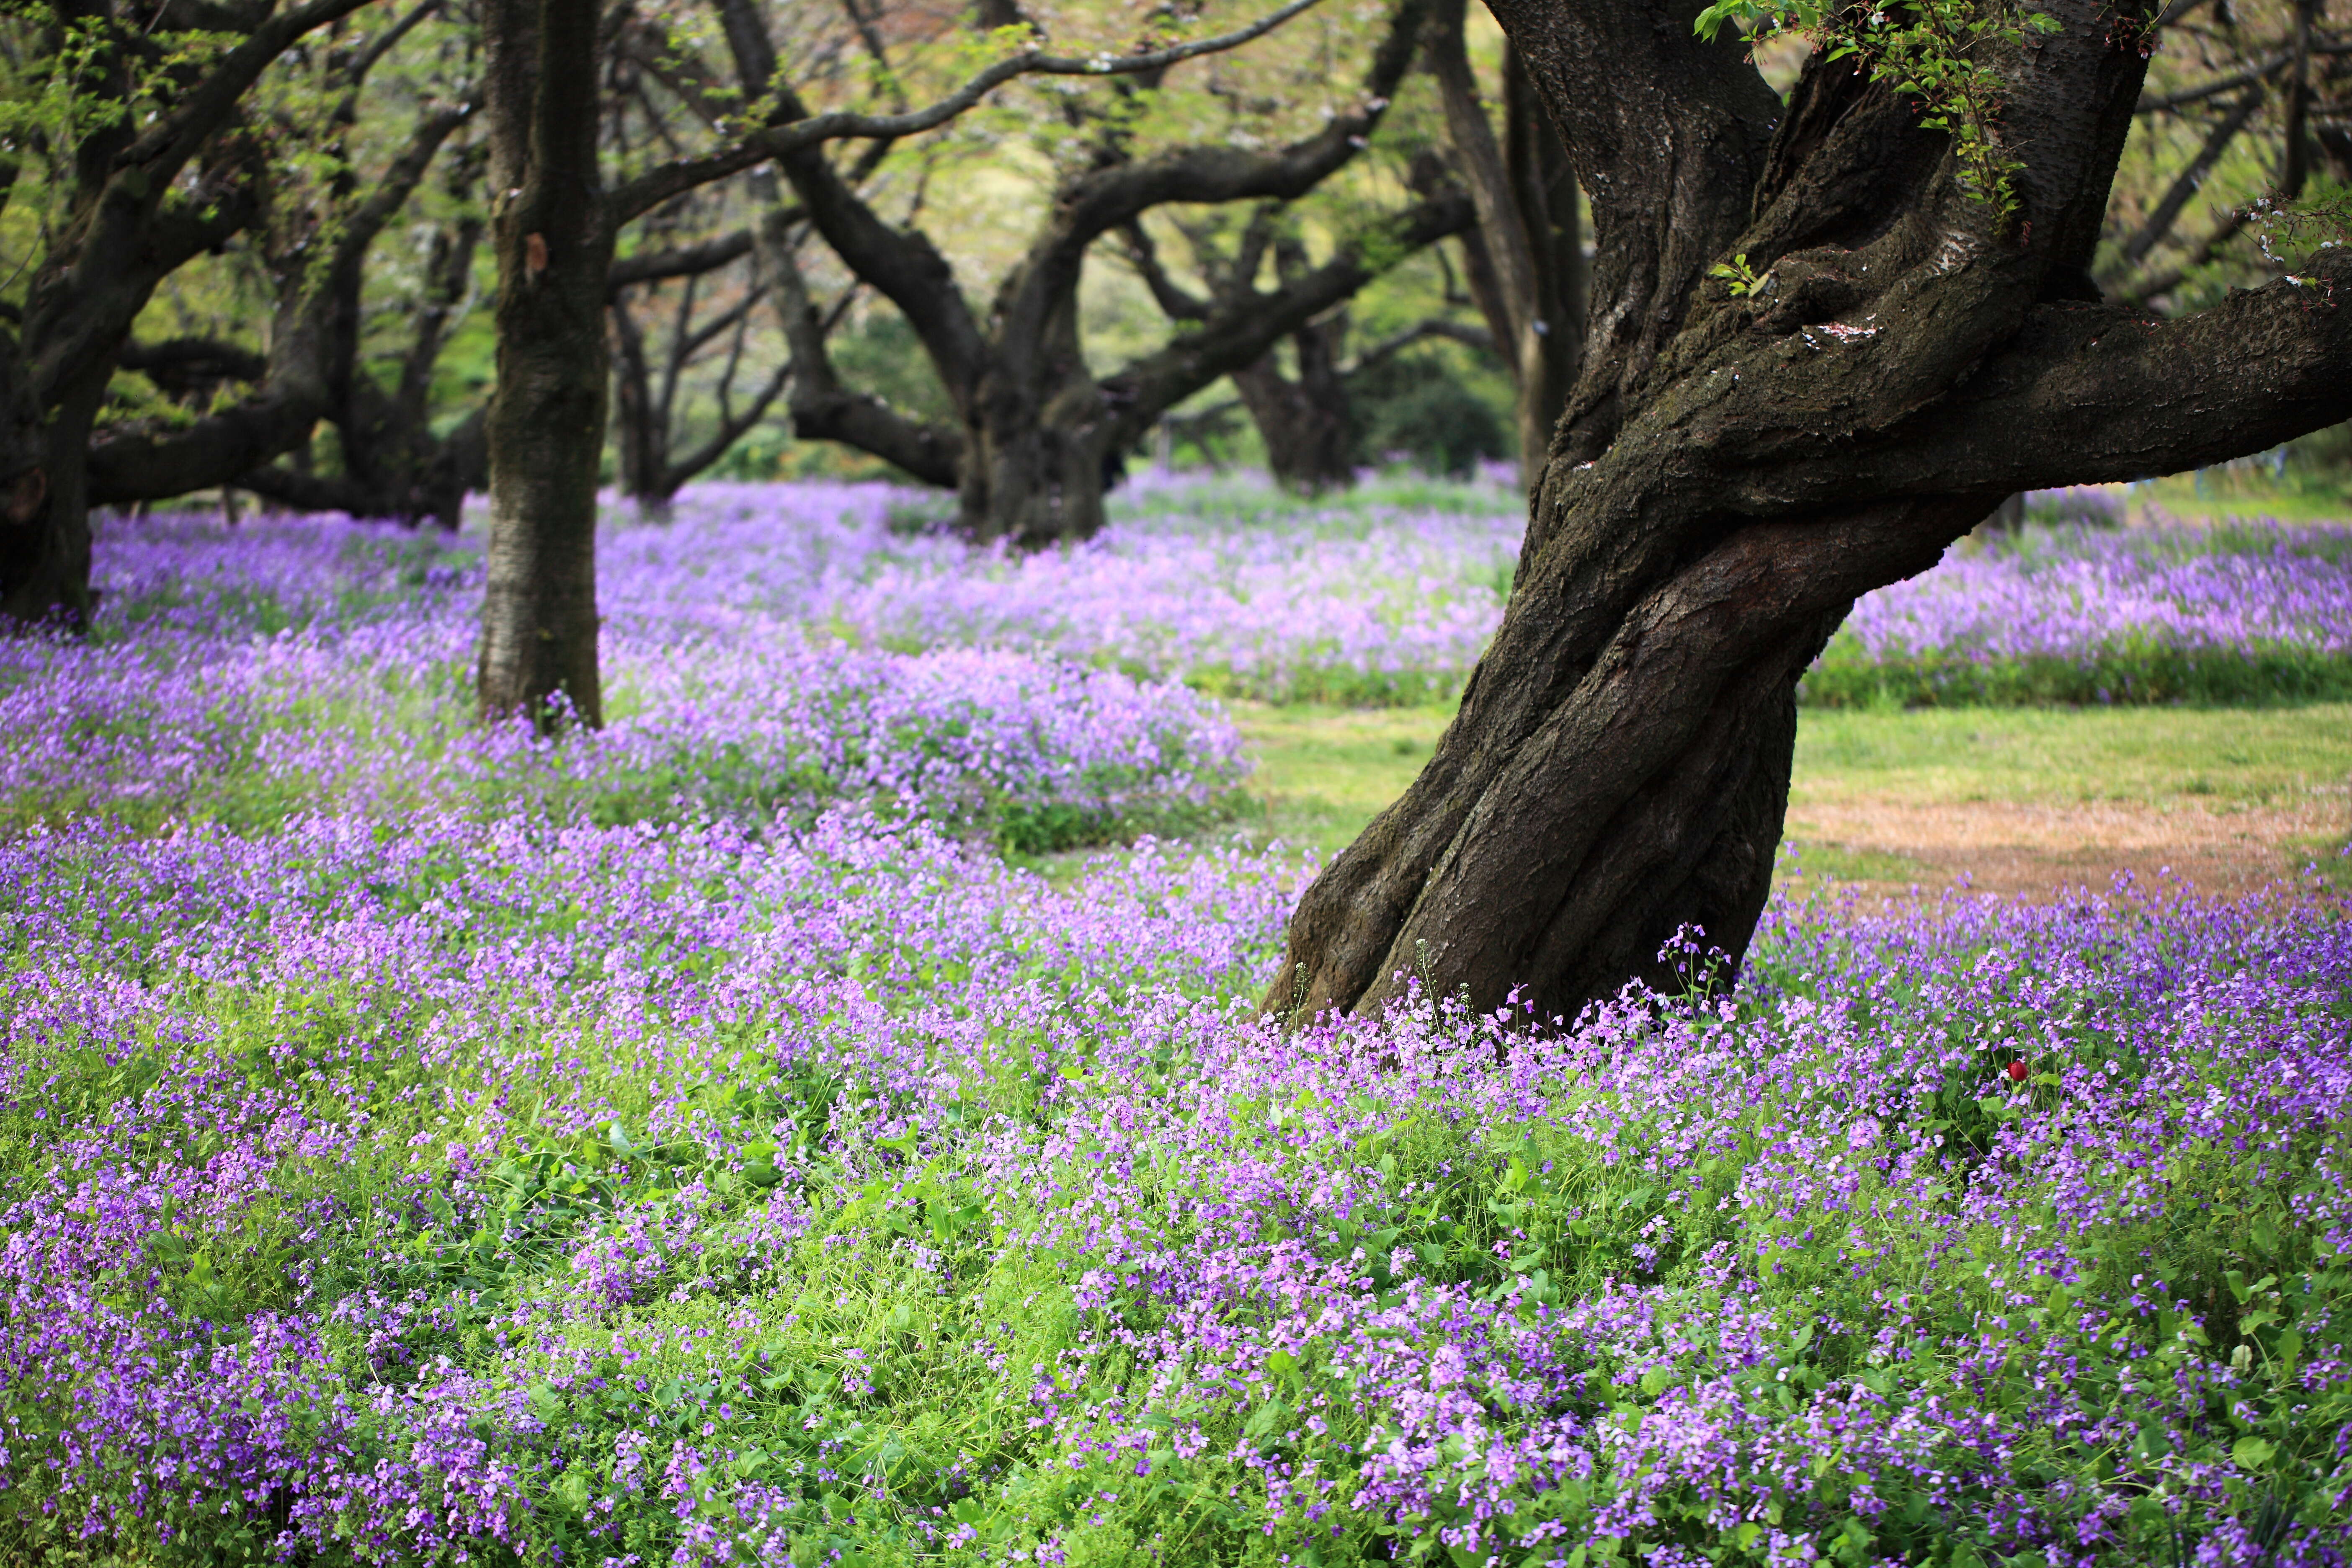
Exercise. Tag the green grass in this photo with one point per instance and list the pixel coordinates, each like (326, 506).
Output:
(2153, 756)
(2246, 495)
(1324, 772)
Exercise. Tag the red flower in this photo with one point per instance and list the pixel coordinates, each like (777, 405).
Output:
(2017, 1071)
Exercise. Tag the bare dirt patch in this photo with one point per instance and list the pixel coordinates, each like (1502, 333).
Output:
(2037, 849)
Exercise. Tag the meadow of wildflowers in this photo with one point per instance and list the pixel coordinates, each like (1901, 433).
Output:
(2080, 612)
(445, 1150)
(241, 675)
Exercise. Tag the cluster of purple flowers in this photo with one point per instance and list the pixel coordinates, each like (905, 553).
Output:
(2082, 613)
(440, 1174)
(1384, 598)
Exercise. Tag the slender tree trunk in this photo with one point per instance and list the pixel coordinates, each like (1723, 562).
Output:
(1732, 471)
(1526, 262)
(641, 432)
(1543, 188)
(547, 418)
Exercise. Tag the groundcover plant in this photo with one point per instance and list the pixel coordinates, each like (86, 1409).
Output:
(238, 675)
(420, 1182)
(1390, 596)
(2084, 614)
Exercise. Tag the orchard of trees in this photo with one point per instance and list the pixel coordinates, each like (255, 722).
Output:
(1780, 300)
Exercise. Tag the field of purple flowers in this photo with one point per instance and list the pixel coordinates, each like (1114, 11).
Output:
(699, 1144)
(2082, 611)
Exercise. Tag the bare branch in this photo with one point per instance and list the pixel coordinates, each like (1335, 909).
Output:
(1238, 331)
(2168, 211)
(685, 261)
(166, 147)
(1144, 257)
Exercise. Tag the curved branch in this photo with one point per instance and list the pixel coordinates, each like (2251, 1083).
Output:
(310, 355)
(685, 261)
(824, 410)
(1237, 333)
(729, 431)
(165, 149)
(657, 185)
(2168, 211)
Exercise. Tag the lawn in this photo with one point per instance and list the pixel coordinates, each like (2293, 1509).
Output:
(714, 1141)
(2248, 794)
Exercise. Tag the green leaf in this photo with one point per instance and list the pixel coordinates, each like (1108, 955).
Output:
(2251, 1453)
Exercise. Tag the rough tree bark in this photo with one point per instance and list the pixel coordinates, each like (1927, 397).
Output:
(552, 233)
(1732, 471)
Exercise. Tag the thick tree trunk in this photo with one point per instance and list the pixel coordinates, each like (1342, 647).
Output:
(1038, 449)
(1733, 471)
(547, 415)
(45, 518)
(1035, 477)
(1306, 423)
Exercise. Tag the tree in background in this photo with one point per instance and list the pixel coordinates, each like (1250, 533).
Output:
(554, 226)
(128, 132)
(2245, 104)
(314, 245)
(1526, 260)
(1037, 430)
(1824, 339)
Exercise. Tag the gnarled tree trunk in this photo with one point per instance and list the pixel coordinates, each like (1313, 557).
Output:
(1306, 421)
(1732, 471)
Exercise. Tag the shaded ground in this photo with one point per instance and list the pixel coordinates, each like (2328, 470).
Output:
(2024, 801)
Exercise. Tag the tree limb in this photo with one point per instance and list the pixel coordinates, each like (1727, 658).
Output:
(684, 261)
(1238, 331)
(824, 410)
(1144, 257)
(2168, 211)
(657, 186)
(1388, 348)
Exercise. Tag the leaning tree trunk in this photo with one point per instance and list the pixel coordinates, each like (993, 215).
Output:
(1733, 470)
(546, 426)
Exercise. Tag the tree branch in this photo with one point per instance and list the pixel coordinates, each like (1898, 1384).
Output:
(1238, 331)
(1388, 348)
(2091, 393)
(1145, 258)
(729, 431)
(684, 261)
(2168, 211)
(310, 352)
(657, 186)
(165, 148)
(824, 410)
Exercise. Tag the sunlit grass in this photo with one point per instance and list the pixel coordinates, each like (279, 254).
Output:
(1324, 772)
